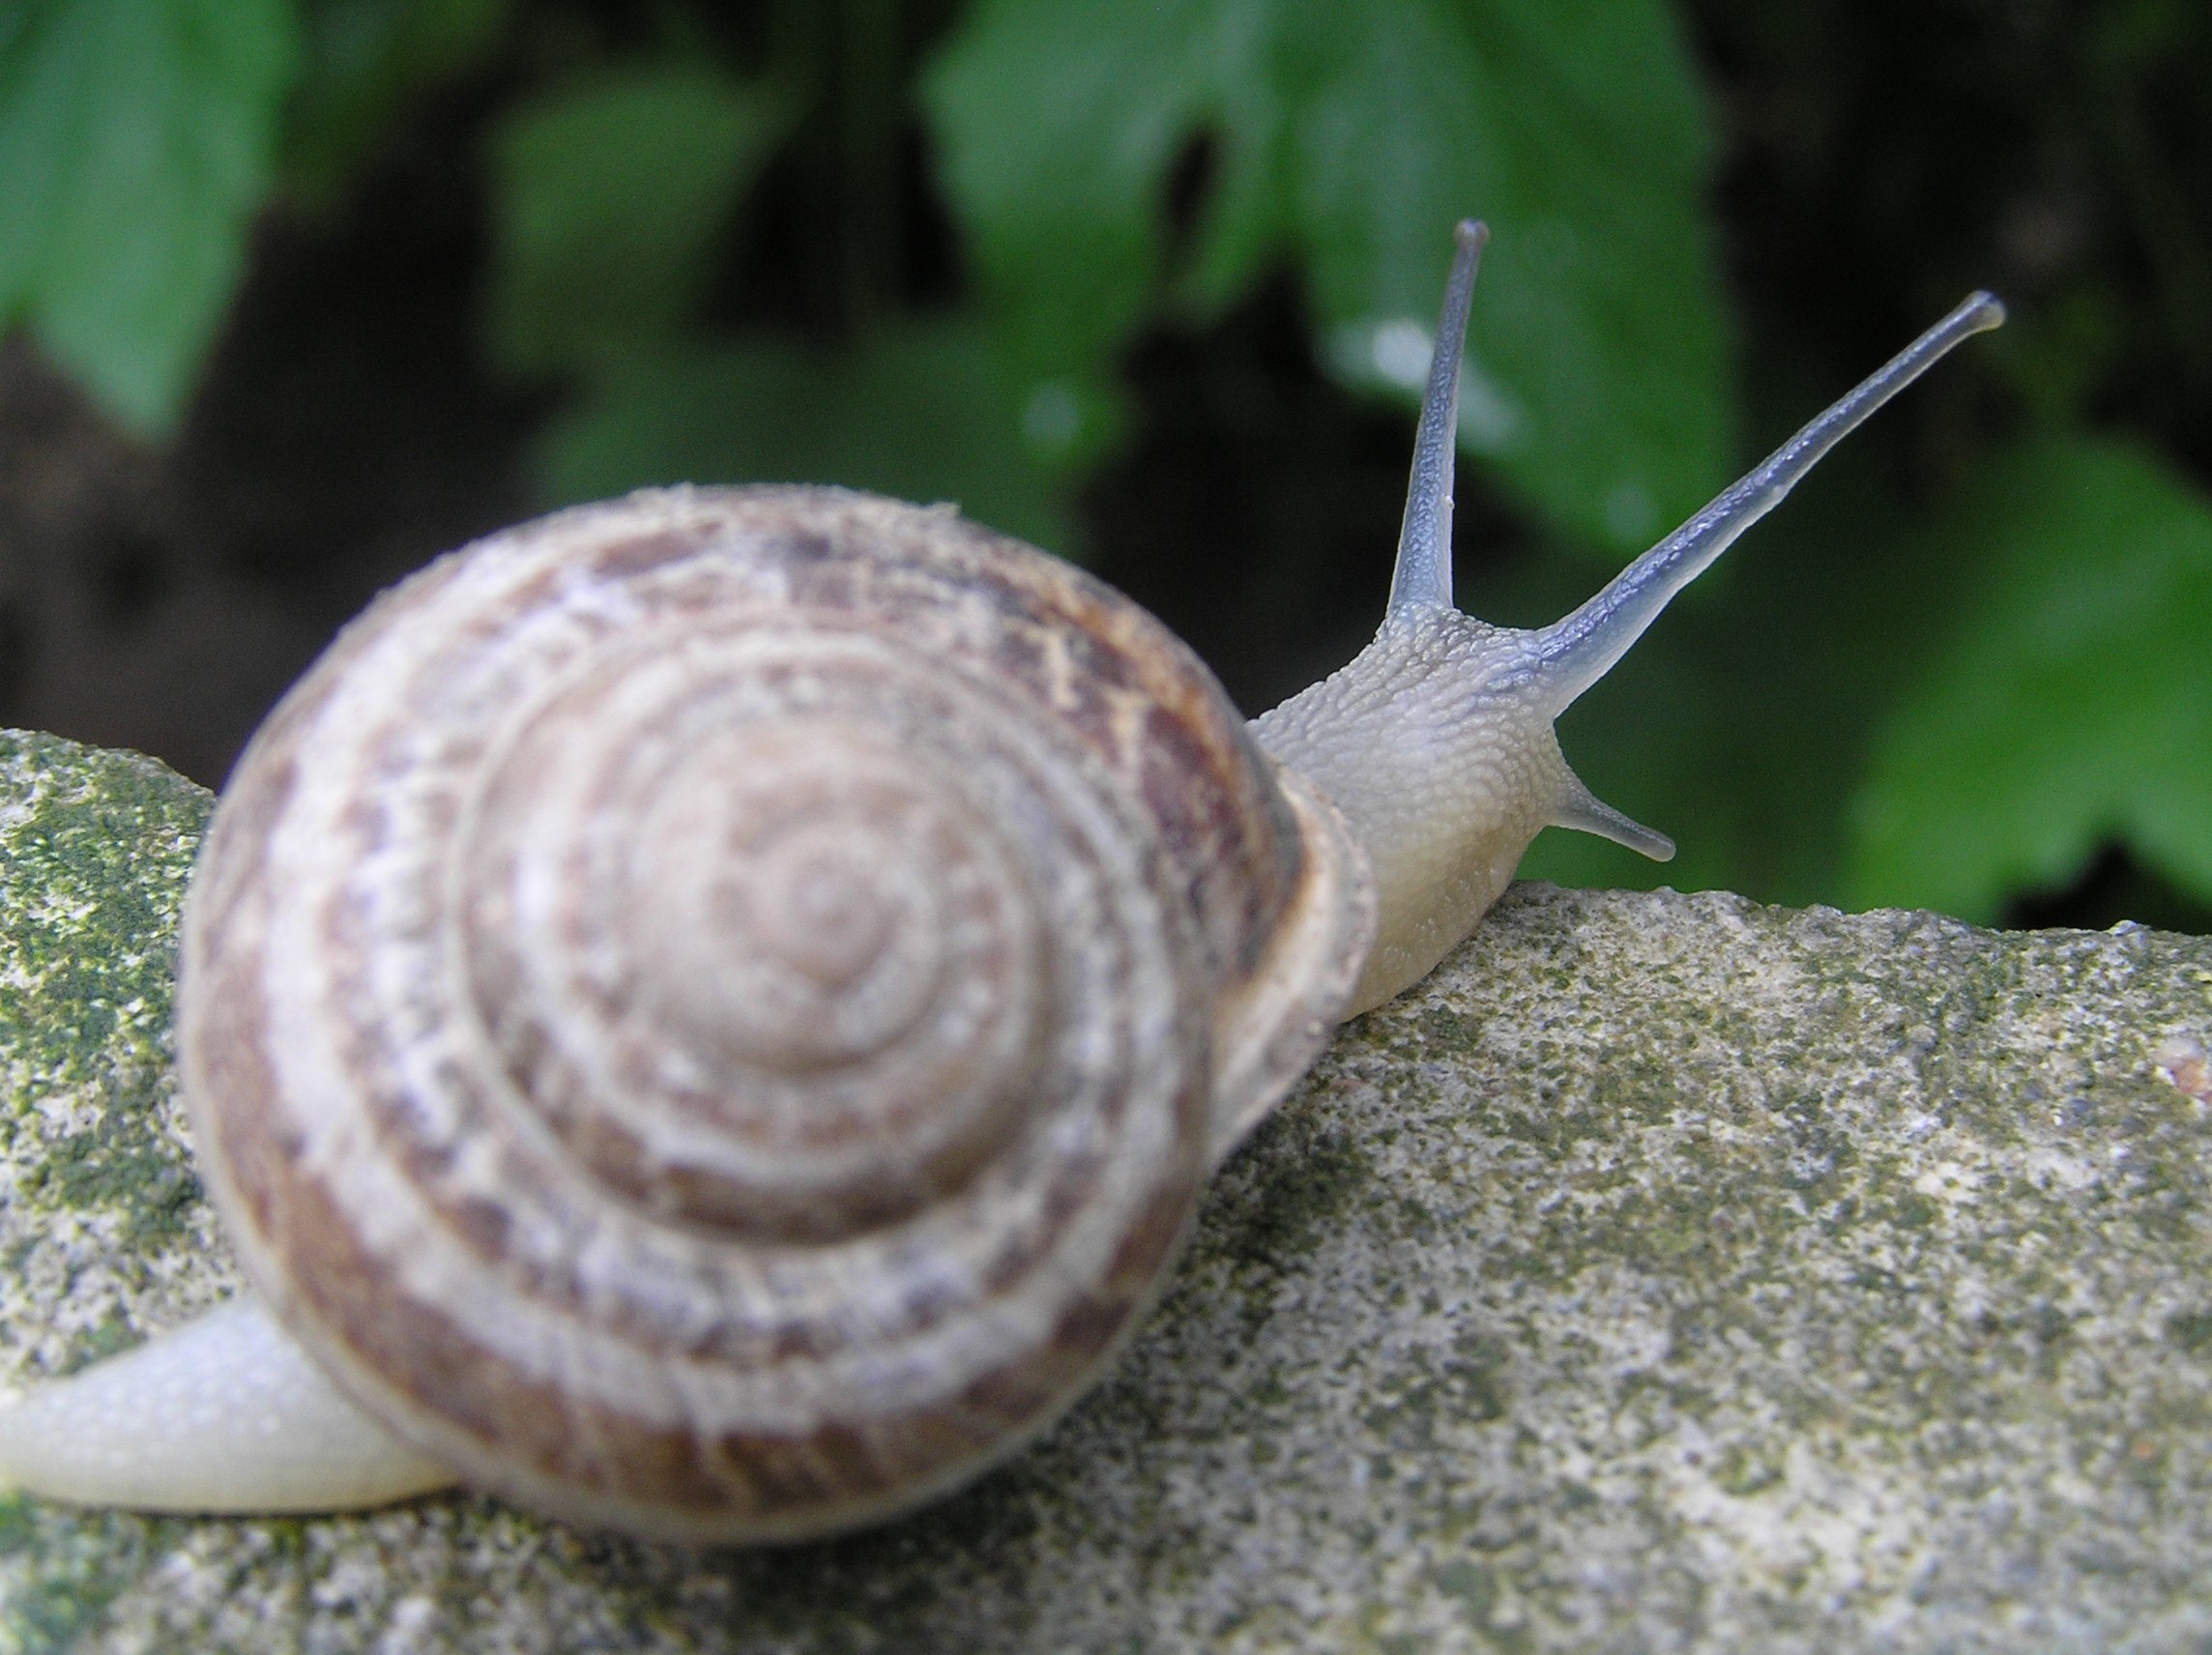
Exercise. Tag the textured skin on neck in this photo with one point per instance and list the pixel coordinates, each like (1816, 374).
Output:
(1435, 747)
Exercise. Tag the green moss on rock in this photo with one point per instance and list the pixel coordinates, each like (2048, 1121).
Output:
(106, 1229)
(1665, 1273)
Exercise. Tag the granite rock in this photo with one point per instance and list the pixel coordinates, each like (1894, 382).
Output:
(1666, 1273)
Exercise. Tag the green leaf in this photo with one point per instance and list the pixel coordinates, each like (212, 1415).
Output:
(361, 63)
(1058, 123)
(135, 138)
(923, 413)
(608, 202)
(2069, 705)
(1352, 137)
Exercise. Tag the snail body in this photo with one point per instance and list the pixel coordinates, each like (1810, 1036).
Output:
(709, 1014)
(707, 1009)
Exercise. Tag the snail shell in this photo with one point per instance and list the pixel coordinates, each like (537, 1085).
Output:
(710, 1013)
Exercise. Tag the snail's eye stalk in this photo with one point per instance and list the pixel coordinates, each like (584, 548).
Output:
(1576, 652)
(1424, 576)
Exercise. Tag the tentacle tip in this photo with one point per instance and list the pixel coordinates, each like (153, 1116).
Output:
(1983, 310)
(1474, 235)
(1585, 812)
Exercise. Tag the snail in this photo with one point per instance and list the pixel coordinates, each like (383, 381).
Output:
(709, 1014)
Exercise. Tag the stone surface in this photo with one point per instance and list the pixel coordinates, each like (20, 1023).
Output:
(1666, 1273)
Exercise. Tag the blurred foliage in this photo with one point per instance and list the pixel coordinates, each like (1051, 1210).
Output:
(361, 64)
(919, 247)
(2073, 694)
(923, 413)
(136, 141)
(610, 197)
(1349, 138)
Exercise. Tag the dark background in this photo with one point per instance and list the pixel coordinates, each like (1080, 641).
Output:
(161, 594)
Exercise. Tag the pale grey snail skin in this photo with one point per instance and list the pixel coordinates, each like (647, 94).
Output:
(1436, 742)
(363, 1019)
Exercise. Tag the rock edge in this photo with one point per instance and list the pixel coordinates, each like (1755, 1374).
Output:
(1665, 1273)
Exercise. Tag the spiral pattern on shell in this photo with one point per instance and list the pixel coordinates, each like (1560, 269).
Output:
(702, 1011)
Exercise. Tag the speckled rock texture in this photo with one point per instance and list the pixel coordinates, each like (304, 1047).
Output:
(1666, 1273)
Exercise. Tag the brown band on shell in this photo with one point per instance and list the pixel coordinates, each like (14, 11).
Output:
(607, 1324)
(1132, 689)
(531, 1438)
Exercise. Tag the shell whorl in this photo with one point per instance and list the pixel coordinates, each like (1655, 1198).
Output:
(701, 1011)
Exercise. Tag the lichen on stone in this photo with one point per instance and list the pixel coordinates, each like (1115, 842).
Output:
(103, 1212)
(1665, 1273)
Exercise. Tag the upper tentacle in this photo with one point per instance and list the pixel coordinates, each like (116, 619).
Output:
(1574, 653)
(1424, 576)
